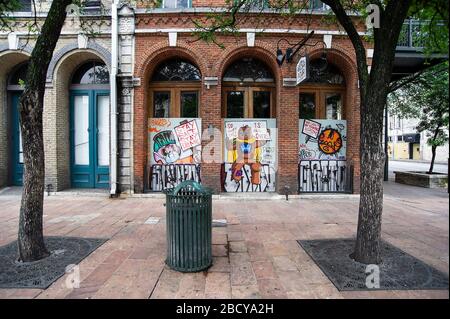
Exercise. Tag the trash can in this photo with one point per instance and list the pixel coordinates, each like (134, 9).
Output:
(189, 225)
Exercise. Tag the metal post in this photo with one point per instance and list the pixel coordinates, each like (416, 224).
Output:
(386, 139)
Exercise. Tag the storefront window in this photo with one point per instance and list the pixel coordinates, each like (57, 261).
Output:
(175, 89)
(248, 90)
(91, 73)
(189, 102)
(307, 106)
(19, 75)
(325, 73)
(333, 103)
(176, 70)
(235, 104)
(322, 96)
(261, 104)
(161, 104)
(248, 70)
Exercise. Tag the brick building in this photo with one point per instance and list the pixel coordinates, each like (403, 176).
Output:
(230, 117)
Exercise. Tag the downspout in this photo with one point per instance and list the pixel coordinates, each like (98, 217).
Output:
(113, 111)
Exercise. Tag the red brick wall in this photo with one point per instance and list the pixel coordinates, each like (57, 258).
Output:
(152, 48)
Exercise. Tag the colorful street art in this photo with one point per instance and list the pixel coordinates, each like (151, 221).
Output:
(249, 155)
(322, 139)
(174, 152)
(174, 141)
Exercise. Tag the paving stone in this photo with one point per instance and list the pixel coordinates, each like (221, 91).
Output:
(264, 270)
(271, 289)
(217, 286)
(242, 274)
(219, 239)
(168, 284)
(220, 264)
(245, 292)
(238, 246)
(284, 263)
(192, 286)
(219, 250)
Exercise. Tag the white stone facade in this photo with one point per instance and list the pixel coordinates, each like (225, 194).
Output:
(73, 49)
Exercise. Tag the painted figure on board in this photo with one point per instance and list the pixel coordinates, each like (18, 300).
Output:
(245, 149)
(166, 150)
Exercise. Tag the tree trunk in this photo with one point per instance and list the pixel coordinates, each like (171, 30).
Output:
(367, 248)
(374, 91)
(433, 157)
(433, 150)
(30, 237)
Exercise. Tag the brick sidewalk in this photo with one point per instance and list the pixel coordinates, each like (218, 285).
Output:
(255, 256)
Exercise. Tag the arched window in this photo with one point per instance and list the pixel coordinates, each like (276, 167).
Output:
(176, 70)
(175, 89)
(248, 70)
(92, 72)
(324, 73)
(248, 90)
(18, 75)
(322, 96)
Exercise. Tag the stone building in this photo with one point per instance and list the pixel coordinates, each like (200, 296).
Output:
(79, 115)
(143, 104)
(406, 143)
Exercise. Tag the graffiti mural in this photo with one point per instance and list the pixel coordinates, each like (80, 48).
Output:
(327, 176)
(249, 155)
(162, 177)
(174, 151)
(174, 140)
(322, 139)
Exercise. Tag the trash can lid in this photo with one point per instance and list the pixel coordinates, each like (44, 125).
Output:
(191, 185)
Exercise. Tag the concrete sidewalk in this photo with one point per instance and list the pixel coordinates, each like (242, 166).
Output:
(255, 256)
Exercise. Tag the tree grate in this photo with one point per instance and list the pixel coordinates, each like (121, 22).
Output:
(397, 271)
(42, 273)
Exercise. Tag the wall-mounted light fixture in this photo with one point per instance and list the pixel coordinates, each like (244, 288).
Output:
(294, 48)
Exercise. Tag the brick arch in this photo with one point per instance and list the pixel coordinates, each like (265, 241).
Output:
(341, 60)
(347, 65)
(261, 51)
(154, 55)
(145, 65)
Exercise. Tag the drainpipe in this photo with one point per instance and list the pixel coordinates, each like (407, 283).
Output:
(113, 111)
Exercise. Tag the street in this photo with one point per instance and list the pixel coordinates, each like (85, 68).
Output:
(414, 166)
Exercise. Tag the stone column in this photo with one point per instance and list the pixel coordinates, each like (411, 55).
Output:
(125, 98)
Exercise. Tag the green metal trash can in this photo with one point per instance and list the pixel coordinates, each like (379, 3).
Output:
(189, 226)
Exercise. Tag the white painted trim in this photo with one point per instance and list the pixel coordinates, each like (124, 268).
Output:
(82, 41)
(173, 39)
(328, 39)
(250, 39)
(245, 30)
(13, 41)
(370, 53)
